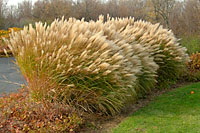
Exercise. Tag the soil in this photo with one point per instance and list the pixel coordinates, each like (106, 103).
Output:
(105, 125)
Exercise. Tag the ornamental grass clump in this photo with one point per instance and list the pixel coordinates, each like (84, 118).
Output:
(168, 53)
(147, 77)
(96, 66)
(160, 44)
(66, 62)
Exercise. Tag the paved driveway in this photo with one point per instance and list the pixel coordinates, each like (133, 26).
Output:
(10, 77)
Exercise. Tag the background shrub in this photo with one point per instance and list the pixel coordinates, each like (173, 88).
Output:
(193, 68)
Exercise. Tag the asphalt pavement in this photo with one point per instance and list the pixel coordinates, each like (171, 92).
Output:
(10, 76)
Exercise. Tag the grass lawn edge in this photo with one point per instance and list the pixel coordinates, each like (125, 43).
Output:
(174, 111)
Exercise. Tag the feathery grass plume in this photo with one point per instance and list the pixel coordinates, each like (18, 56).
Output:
(146, 79)
(68, 63)
(170, 55)
(133, 62)
(160, 43)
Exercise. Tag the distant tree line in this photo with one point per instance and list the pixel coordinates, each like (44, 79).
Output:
(182, 16)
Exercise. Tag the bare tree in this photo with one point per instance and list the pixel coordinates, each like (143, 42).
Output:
(48, 10)
(133, 8)
(3, 7)
(25, 13)
(112, 7)
(163, 9)
(88, 9)
(177, 20)
(11, 17)
(191, 16)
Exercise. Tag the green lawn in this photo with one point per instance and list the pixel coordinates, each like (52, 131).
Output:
(177, 111)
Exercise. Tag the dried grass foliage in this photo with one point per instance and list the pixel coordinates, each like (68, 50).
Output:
(96, 66)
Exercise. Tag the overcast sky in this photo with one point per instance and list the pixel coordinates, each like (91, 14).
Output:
(15, 2)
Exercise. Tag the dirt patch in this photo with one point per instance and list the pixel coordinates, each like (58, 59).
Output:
(105, 125)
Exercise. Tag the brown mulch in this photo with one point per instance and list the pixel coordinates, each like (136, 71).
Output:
(102, 125)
